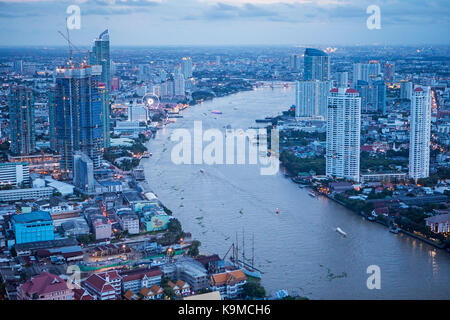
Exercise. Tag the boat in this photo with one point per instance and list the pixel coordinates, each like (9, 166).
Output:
(312, 194)
(249, 270)
(202, 171)
(394, 229)
(278, 211)
(216, 112)
(371, 218)
(340, 231)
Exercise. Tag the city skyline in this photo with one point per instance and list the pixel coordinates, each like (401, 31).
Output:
(251, 22)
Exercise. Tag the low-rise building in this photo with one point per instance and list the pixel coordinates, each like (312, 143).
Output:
(229, 283)
(25, 194)
(155, 292)
(104, 286)
(135, 280)
(439, 223)
(180, 288)
(33, 227)
(45, 286)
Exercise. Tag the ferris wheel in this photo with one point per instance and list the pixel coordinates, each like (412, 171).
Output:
(151, 101)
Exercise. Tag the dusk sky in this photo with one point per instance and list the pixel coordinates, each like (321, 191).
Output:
(226, 22)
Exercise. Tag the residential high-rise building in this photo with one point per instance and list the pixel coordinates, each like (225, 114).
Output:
(406, 90)
(179, 85)
(83, 173)
(374, 69)
(343, 134)
(363, 89)
(100, 56)
(373, 96)
(79, 120)
(18, 66)
(389, 71)
(420, 133)
(311, 98)
(186, 67)
(342, 79)
(316, 65)
(360, 72)
(21, 121)
(295, 62)
(51, 104)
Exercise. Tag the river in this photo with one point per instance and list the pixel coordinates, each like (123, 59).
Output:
(298, 249)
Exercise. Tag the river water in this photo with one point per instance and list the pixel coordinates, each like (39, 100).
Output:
(298, 249)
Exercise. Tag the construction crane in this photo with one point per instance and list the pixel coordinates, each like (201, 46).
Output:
(71, 45)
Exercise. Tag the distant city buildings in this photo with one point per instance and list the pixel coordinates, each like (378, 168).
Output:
(406, 88)
(21, 121)
(186, 67)
(179, 85)
(373, 96)
(295, 62)
(389, 72)
(343, 134)
(342, 80)
(420, 133)
(316, 65)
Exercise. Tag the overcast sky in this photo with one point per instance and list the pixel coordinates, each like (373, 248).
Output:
(225, 22)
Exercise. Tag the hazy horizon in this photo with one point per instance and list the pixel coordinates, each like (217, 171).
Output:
(147, 23)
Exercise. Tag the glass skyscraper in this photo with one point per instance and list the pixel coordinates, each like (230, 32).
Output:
(79, 121)
(316, 65)
(21, 121)
(100, 56)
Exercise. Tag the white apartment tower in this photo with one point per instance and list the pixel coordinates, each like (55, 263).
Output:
(419, 134)
(311, 98)
(343, 134)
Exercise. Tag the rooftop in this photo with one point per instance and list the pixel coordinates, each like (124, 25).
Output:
(32, 217)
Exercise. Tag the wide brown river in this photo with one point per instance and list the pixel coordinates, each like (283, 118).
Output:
(298, 249)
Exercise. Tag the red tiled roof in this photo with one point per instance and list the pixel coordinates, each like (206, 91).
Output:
(334, 90)
(350, 90)
(43, 284)
(418, 89)
(140, 273)
(81, 294)
(96, 282)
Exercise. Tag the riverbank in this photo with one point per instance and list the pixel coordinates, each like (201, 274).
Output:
(296, 248)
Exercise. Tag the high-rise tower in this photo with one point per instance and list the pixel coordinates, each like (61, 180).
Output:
(343, 134)
(316, 65)
(420, 133)
(100, 56)
(21, 120)
(79, 120)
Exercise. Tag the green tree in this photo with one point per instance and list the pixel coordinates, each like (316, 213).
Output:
(253, 289)
(193, 250)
